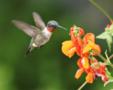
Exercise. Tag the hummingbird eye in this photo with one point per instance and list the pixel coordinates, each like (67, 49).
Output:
(52, 26)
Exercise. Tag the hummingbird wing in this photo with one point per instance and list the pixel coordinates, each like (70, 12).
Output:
(26, 28)
(38, 21)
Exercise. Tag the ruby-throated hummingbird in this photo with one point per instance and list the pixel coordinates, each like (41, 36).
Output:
(40, 34)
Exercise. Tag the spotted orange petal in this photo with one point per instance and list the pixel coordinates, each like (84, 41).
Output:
(96, 50)
(85, 62)
(87, 48)
(68, 48)
(79, 63)
(90, 77)
(79, 73)
(89, 37)
(81, 31)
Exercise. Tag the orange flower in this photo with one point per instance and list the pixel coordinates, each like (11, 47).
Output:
(100, 70)
(90, 77)
(89, 37)
(84, 66)
(89, 45)
(96, 50)
(79, 73)
(85, 62)
(68, 48)
(81, 31)
(86, 48)
(92, 48)
(76, 33)
(92, 68)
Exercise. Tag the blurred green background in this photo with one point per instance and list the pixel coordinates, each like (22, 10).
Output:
(46, 68)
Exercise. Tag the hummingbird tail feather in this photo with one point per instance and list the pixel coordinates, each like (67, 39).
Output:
(29, 50)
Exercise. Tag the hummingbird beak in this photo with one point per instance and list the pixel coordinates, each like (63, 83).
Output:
(61, 27)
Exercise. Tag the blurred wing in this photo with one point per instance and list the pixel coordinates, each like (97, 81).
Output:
(26, 28)
(38, 21)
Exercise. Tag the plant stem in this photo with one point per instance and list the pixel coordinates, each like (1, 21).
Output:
(101, 9)
(80, 88)
(111, 65)
(102, 57)
(111, 56)
(105, 60)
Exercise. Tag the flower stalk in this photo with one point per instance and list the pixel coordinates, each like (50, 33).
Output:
(81, 87)
(101, 9)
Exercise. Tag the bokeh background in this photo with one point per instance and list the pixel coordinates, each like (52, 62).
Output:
(46, 68)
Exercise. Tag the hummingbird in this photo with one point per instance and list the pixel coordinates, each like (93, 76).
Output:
(40, 34)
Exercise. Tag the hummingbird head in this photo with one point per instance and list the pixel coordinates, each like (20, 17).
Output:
(52, 25)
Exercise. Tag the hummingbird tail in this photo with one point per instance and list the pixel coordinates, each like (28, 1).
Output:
(29, 50)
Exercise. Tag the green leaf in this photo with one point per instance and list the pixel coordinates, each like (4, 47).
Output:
(109, 77)
(108, 37)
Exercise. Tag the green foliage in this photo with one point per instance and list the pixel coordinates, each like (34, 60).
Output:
(107, 35)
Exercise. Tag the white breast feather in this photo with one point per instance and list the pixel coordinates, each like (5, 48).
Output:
(47, 33)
